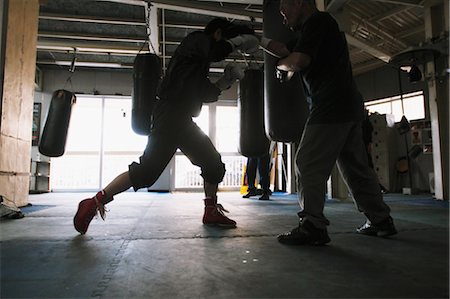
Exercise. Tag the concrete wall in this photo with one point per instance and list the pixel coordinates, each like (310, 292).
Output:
(383, 82)
(101, 82)
(17, 100)
(88, 82)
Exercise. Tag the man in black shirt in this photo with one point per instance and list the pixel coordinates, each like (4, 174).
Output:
(333, 129)
(182, 93)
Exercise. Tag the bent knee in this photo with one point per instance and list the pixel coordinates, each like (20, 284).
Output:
(214, 175)
(140, 176)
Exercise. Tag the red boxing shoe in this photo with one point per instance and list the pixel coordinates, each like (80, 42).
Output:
(87, 209)
(214, 214)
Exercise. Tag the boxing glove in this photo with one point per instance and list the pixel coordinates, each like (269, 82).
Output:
(231, 73)
(246, 43)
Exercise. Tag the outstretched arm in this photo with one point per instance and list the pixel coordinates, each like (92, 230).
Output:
(274, 48)
(294, 62)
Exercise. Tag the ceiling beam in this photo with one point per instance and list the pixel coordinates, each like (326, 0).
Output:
(257, 2)
(387, 14)
(343, 17)
(77, 36)
(402, 2)
(380, 54)
(376, 30)
(93, 64)
(335, 5)
(87, 47)
(93, 53)
(130, 2)
(412, 31)
(208, 9)
(199, 7)
(196, 26)
(90, 19)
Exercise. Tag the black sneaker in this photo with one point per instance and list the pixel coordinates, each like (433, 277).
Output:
(305, 234)
(251, 192)
(265, 196)
(382, 229)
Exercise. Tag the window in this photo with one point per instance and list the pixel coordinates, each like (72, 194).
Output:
(220, 121)
(121, 145)
(227, 123)
(100, 144)
(413, 106)
(79, 167)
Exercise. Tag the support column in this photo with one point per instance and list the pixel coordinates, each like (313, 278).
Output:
(17, 99)
(436, 26)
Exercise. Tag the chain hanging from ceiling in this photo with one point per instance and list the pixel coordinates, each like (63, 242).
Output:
(147, 24)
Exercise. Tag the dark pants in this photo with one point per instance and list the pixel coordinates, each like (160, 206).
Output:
(173, 129)
(321, 146)
(263, 165)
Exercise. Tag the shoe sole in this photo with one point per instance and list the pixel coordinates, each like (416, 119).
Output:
(303, 242)
(221, 225)
(381, 234)
(74, 217)
(78, 230)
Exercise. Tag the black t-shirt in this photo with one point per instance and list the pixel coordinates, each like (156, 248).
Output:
(186, 82)
(328, 81)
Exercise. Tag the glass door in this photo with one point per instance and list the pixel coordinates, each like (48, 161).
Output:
(100, 144)
(121, 145)
(227, 142)
(79, 167)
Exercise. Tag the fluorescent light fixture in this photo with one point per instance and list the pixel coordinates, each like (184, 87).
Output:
(89, 64)
(111, 50)
(216, 70)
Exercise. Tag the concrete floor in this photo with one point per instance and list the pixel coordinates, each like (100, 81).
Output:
(155, 246)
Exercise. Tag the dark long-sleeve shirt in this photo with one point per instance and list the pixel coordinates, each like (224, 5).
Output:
(186, 81)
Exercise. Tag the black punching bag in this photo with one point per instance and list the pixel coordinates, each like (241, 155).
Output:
(253, 141)
(146, 78)
(54, 136)
(286, 109)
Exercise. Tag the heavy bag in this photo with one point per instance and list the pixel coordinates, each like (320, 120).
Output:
(253, 141)
(285, 105)
(147, 73)
(54, 136)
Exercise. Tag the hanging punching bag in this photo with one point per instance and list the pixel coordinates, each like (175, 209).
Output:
(286, 109)
(54, 136)
(253, 141)
(147, 74)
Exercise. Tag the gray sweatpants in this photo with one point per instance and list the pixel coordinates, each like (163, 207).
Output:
(321, 146)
